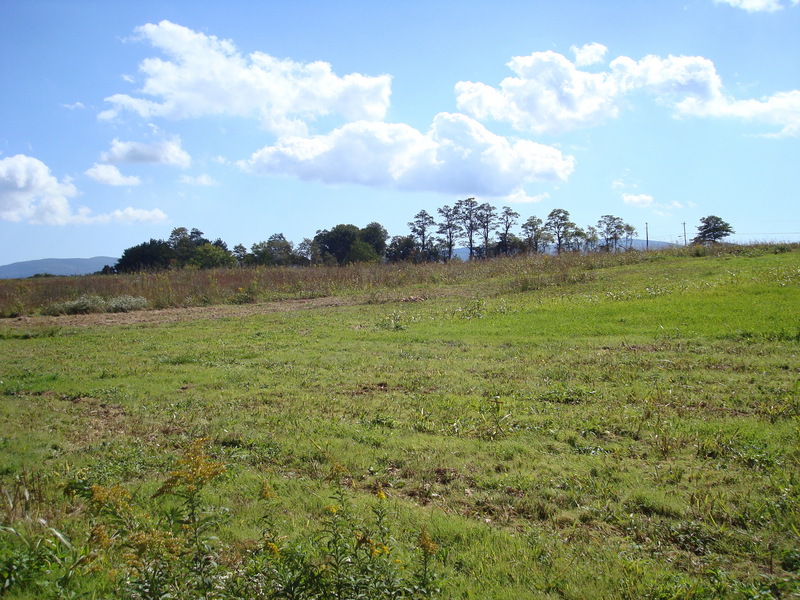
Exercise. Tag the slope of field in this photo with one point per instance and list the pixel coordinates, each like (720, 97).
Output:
(611, 429)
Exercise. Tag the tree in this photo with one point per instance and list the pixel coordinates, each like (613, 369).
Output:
(561, 227)
(361, 251)
(590, 239)
(210, 256)
(375, 235)
(450, 228)
(612, 230)
(712, 229)
(307, 252)
(466, 213)
(148, 256)
(486, 219)
(421, 228)
(337, 242)
(403, 248)
(508, 218)
(630, 232)
(241, 254)
(537, 237)
(277, 250)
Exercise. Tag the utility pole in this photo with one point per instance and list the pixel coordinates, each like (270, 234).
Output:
(684, 234)
(646, 237)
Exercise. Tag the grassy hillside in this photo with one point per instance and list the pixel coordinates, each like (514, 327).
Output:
(566, 427)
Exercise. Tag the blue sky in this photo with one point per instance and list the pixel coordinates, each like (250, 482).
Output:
(122, 120)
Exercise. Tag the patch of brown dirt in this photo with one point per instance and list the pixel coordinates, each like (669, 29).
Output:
(175, 315)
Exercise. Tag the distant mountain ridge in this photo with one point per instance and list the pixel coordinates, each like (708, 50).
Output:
(56, 266)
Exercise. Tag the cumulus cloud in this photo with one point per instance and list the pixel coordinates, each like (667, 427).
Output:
(29, 192)
(457, 155)
(110, 175)
(589, 54)
(550, 94)
(640, 200)
(203, 179)
(756, 5)
(204, 75)
(781, 109)
(165, 152)
(127, 216)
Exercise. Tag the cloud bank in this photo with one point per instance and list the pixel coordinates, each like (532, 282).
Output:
(549, 94)
(457, 155)
(29, 192)
(204, 76)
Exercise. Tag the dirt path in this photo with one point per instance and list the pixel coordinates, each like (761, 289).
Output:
(174, 315)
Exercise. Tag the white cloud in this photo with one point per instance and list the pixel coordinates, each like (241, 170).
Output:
(781, 109)
(128, 216)
(199, 180)
(588, 54)
(671, 79)
(110, 175)
(29, 192)
(74, 106)
(755, 5)
(165, 152)
(550, 94)
(640, 200)
(457, 155)
(204, 75)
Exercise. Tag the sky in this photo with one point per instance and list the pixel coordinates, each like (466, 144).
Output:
(120, 121)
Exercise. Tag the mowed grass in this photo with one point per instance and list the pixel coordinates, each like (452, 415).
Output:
(622, 431)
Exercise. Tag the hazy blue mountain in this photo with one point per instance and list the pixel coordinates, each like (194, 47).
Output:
(56, 266)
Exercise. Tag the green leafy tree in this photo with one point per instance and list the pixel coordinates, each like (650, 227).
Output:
(421, 228)
(183, 244)
(277, 250)
(335, 244)
(376, 236)
(487, 220)
(361, 251)
(712, 229)
(591, 239)
(466, 213)
(562, 229)
(241, 254)
(507, 220)
(537, 237)
(210, 256)
(403, 248)
(148, 256)
(449, 228)
(611, 230)
(630, 232)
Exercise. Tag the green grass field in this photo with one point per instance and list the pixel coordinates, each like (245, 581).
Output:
(608, 427)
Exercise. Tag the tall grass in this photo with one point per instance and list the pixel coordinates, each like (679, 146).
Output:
(191, 287)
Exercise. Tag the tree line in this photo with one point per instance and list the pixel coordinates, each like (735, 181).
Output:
(481, 228)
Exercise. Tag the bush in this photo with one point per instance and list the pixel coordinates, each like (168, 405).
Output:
(82, 306)
(126, 303)
(87, 304)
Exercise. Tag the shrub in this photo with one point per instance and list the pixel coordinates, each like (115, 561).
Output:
(87, 304)
(126, 303)
(84, 305)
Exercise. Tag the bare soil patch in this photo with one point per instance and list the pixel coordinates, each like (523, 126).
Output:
(175, 315)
